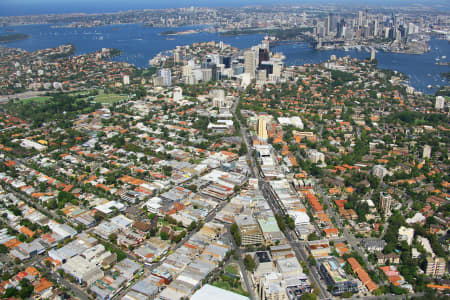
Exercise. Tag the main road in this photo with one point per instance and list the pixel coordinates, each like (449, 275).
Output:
(299, 250)
(297, 245)
(247, 281)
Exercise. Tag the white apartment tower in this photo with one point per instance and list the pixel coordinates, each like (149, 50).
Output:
(426, 152)
(126, 80)
(440, 102)
(177, 94)
(166, 76)
(372, 54)
(435, 267)
(386, 201)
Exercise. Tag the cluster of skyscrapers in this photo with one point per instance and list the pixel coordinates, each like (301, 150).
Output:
(365, 26)
(256, 63)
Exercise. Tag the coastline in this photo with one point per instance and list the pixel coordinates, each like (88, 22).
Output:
(139, 44)
(175, 33)
(14, 37)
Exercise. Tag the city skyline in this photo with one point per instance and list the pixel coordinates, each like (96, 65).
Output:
(27, 7)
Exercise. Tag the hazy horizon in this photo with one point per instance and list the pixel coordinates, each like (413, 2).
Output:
(28, 7)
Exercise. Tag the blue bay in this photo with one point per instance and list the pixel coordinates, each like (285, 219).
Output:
(139, 44)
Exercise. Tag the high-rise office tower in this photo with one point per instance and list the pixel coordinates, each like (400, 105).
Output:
(250, 62)
(263, 55)
(360, 18)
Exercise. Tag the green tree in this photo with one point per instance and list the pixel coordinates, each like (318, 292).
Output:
(249, 263)
(243, 149)
(234, 229)
(192, 226)
(10, 293)
(309, 296)
(26, 289)
(290, 222)
(164, 235)
(113, 238)
(313, 236)
(22, 237)
(3, 249)
(180, 236)
(192, 187)
(99, 216)
(347, 295)
(280, 222)
(311, 260)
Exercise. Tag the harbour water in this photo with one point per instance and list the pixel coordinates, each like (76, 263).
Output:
(139, 44)
(421, 69)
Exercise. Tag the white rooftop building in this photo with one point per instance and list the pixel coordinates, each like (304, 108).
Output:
(418, 218)
(108, 207)
(292, 121)
(82, 270)
(208, 292)
(32, 144)
(380, 171)
(62, 230)
(426, 245)
(177, 94)
(406, 234)
(300, 218)
(121, 221)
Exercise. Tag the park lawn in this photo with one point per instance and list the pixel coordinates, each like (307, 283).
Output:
(162, 222)
(109, 98)
(226, 286)
(232, 269)
(77, 93)
(39, 99)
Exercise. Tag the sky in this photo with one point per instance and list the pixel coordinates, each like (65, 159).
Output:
(27, 7)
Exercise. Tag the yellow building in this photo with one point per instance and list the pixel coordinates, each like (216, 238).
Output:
(262, 128)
